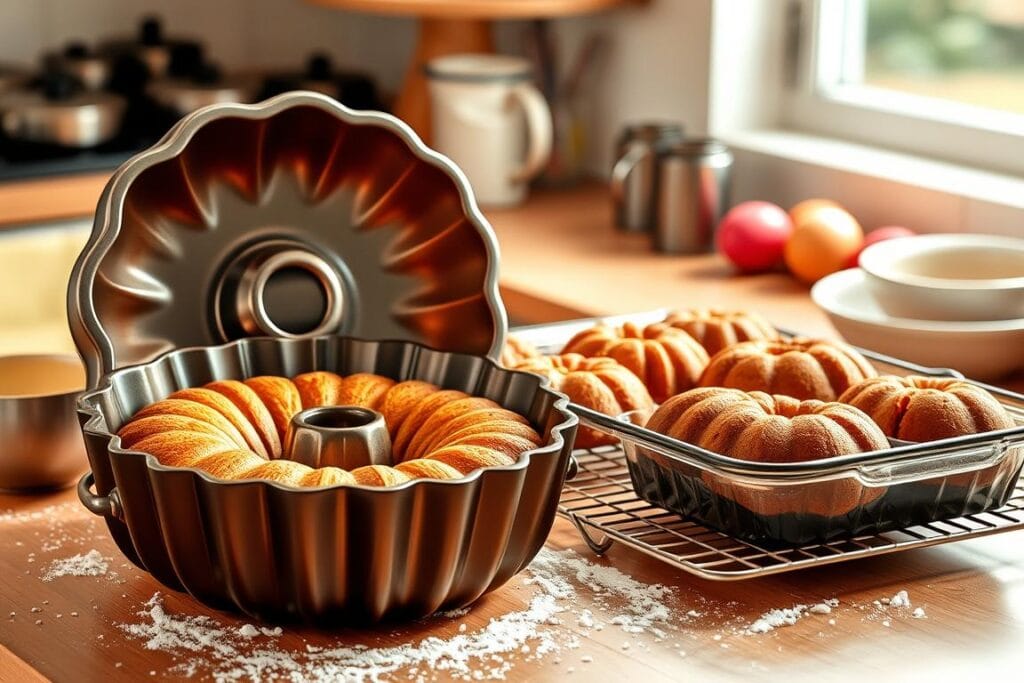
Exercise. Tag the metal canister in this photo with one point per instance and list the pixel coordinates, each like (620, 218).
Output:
(693, 181)
(634, 175)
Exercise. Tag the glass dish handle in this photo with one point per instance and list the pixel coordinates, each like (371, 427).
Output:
(937, 464)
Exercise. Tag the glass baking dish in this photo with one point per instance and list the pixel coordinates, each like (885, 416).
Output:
(794, 503)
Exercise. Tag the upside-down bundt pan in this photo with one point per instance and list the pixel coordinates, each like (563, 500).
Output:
(341, 554)
(295, 216)
(244, 243)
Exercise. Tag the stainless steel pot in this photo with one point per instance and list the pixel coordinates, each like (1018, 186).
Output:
(202, 84)
(150, 46)
(58, 115)
(90, 68)
(184, 96)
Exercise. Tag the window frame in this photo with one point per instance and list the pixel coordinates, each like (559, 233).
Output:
(817, 100)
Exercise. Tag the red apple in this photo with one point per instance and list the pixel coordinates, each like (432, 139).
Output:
(753, 235)
(878, 235)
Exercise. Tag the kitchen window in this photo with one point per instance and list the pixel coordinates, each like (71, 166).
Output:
(938, 78)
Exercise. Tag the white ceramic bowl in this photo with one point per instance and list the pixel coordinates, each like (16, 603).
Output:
(947, 277)
(981, 350)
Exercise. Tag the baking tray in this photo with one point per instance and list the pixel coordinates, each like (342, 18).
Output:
(902, 486)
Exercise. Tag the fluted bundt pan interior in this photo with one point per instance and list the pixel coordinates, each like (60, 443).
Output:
(341, 554)
(295, 216)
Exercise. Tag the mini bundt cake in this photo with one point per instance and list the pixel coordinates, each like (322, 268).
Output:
(776, 429)
(601, 384)
(715, 329)
(802, 368)
(927, 408)
(667, 360)
(235, 430)
(517, 350)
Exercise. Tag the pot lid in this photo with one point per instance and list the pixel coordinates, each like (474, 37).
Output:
(292, 217)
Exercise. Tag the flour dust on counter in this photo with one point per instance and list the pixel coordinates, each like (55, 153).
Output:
(561, 602)
(212, 648)
(91, 563)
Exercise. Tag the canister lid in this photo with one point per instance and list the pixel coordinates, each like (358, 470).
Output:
(652, 131)
(694, 147)
(288, 218)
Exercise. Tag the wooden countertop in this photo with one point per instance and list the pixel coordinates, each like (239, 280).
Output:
(41, 200)
(561, 258)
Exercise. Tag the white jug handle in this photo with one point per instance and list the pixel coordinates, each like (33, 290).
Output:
(623, 167)
(540, 130)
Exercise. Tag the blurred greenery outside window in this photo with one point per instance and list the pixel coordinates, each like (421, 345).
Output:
(968, 51)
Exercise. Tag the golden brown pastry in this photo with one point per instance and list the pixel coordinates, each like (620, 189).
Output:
(715, 329)
(197, 411)
(400, 400)
(517, 350)
(453, 416)
(223, 405)
(465, 458)
(601, 384)
(779, 429)
(379, 475)
(247, 401)
(801, 368)
(228, 429)
(143, 427)
(927, 408)
(318, 389)
(281, 397)
(327, 476)
(417, 417)
(427, 469)
(666, 360)
(364, 389)
(759, 427)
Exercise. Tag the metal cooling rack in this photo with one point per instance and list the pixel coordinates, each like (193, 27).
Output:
(601, 502)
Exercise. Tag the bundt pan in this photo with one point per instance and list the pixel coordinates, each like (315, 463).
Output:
(295, 216)
(335, 555)
(245, 242)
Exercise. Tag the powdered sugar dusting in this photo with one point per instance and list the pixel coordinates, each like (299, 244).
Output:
(91, 563)
(246, 653)
(642, 605)
(901, 599)
(787, 616)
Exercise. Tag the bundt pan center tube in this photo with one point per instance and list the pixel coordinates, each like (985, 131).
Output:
(339, 436)
(331, 555)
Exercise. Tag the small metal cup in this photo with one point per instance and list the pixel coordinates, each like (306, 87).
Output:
(694, 180)
(41, 444)
(339, 436)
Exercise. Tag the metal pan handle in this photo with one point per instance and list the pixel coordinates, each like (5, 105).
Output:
(104, 506)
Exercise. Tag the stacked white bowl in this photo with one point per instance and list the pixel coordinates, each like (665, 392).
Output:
(942, 301)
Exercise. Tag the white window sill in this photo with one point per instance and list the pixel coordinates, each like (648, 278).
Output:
(878, 186)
